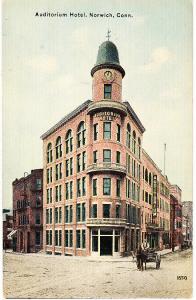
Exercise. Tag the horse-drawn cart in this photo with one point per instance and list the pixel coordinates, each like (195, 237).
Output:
(152, 256)
(148, 256)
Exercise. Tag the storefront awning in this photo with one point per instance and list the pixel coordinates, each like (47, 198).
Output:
(11, 234)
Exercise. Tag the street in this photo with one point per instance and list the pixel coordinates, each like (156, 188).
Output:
(44, 276)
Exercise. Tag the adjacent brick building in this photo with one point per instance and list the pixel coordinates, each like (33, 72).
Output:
(187, 220)
(28, 212)
(155, 204)
(175, 217)
(102, 194)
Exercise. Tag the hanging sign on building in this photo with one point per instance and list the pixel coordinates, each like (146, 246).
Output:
(154, 202)
(107, 115)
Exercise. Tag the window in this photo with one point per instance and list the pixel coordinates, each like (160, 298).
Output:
(107, 155)
(58, 195)
(58, 237)
(58, 148)
(94, 157)
(106, 210)
(139, 148)
(83, 160)
(134, 142)
(71, 166)
(67, 167)
(58, 171)
(106, 186)
(66, 214)
(49, 237)
(77, 238)
(67, 190)
(146, 175)
(94, 211)
(49, 175)
(95, 240)
(49, 153)
(133, 167)
(128, 139)
(118, 133)
(78, 214)
(95, 132)
(107, 91)
(150, 178)
(133, 191)
(146, 197)
(37, 219)
(83, 212)
(49, 195)
(69, 141)
(107, 130)
(78, 188)
(83, 238)
(78, 162)
(38, 184)
(128, 163)
(117, 157)
(68, 238)
(81, 135)
(128, 188)
(150, 199)
(71, 189)
(84, 186)
(95, 187)
(117, 211)
(118, 183)
(58, 214)
(38, 200)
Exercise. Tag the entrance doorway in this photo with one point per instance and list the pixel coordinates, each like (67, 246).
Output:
(105, 245)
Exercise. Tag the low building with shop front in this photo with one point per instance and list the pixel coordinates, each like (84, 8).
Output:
(7, 228)
(28, 212)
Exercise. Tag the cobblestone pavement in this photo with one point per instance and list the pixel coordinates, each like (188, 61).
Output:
(43, 276)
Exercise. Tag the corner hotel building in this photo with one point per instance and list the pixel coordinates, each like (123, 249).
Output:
(102, 193)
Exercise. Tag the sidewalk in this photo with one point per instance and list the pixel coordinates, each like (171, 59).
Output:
(90, 258)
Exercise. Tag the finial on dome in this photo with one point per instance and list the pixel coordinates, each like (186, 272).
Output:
(108, 34)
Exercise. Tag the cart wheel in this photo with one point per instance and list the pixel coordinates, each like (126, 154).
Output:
(157, 265)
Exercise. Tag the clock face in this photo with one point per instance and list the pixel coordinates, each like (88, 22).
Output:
(108, 75)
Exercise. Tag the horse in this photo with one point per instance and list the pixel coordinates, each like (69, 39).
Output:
(141, 258)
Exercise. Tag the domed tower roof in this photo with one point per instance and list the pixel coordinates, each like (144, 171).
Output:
(107, 57)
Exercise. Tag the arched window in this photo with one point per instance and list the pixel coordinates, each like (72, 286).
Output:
(81, 135)
(139, 147)
(58, 148)
(69, 141)
(150, 178)
(128, 139)
(134, 142)
(146, 175)
(49, 153)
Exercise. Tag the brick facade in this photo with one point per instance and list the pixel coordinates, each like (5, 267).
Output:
(94, 182)
(28, 212)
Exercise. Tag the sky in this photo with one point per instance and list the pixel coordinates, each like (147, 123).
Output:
(46, 74)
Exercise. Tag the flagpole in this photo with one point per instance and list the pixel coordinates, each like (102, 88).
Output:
(164, 158)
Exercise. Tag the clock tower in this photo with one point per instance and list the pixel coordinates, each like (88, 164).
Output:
(107, 74)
